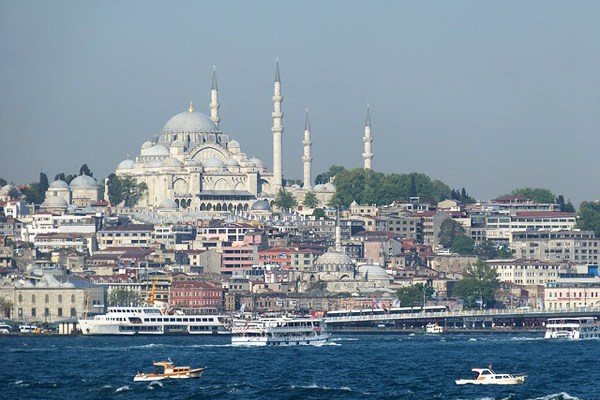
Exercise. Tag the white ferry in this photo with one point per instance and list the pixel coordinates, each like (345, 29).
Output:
(280, 331)
(434, 329)
(152, 321)
(572, 328)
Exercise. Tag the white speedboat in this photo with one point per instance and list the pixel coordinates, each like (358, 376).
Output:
(152, 321)
(434, 329)
(572, 328)
(169, 372)
(280, 331)
(487, 376)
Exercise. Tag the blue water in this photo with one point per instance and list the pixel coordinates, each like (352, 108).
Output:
(352, 367)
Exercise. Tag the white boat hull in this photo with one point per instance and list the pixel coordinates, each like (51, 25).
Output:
(508, 381)
(262, 341)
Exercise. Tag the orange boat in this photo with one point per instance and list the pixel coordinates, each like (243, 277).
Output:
(169, 372)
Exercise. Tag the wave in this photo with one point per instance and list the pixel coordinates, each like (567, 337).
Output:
(154, 384)
(122, 389)
(343, 339)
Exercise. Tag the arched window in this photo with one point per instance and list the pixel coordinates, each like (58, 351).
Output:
(60, 298)
(72, 298)
(46, 299)
(33, 299)
(20, 298)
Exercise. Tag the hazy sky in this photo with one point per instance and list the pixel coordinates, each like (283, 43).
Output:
(484, 95)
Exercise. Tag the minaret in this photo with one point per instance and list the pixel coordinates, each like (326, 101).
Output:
(307, 157)
(214, 99)
(338, 233)
(368, 155)
(277, 131)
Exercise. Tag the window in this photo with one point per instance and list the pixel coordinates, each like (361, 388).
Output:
(72, 298)
(33, 312)
(60, 298)
(59, 312)
(46, 299)
(73, 312)
(33, 299)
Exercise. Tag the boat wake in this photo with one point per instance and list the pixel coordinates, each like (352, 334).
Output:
(154, 384)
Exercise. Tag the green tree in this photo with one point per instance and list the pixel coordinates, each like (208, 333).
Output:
(536, 194)
(132, 191)
(564, 207)
(410, 296)
(478, 286)
(14, 193)
(85, 170)
(588, 217)
(318, 213)
(123, 297)
(329, 174)
(43, 184)
(32, 193)
(310, 200)
(6, 307)
(115, 190)
(463, 245)
(285, 201)
(3, 182)
(449, 231)
(486, 250)
(412, 189)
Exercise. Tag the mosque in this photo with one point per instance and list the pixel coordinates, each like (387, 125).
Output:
(193, 165)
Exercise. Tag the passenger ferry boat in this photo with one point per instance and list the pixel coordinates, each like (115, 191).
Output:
(152, 321)
(279, 331)
(572, 328)
(434, 329)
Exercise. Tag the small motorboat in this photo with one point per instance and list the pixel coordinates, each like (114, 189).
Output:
(169, 372)
(434, 329)
(487, 376)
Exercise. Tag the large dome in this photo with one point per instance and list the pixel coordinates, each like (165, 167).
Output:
(190, 121)
(373, 272)
(84, 181)
(335, 258)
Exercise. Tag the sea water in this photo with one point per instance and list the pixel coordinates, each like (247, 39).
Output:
(365, 366)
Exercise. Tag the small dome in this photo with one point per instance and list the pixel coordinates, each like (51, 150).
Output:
(84, 182)
(334, 257)
(319, 188)
(168, 204)
(295, 186)
(193, 163)
(6, 189)
(157, 150)
(171, 162)
(191, 121)
(373, 272)
(67, 285)
(54, 202)
(257, 162)
(261, 205)
(231, 163)
(213, 163)
(58, 184)
(233, 144)
(147, 144)
(126, 164)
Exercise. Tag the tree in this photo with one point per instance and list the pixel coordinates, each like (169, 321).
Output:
(115, 190)
(410, 296)
(285, 200)
(310, 200)
(463, 245)
(318, 213)
(478, 286)
(412, 190)
(3, 182)
(132, 191)
(588, 217)
(85, 170)
(43, 184)
(123, 297)
(449, 231)
(536, 194)
(328, 175)
(14, 193)
(564, 207)
(6, 307)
